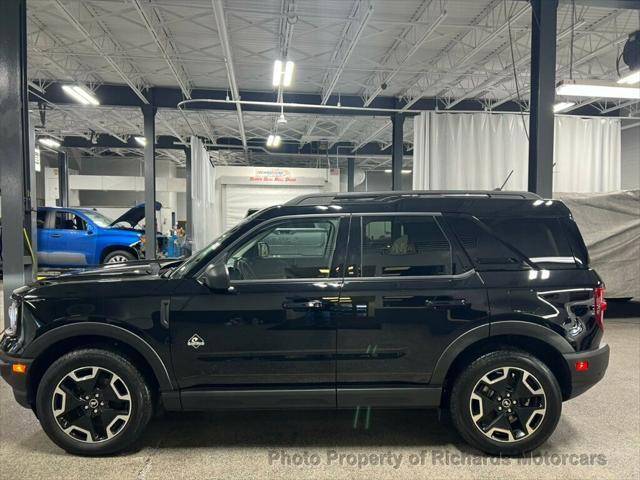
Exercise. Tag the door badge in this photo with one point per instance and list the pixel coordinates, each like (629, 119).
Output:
(195, 341)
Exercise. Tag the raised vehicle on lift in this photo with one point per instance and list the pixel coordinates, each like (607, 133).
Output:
(82, 237)
(481, 303)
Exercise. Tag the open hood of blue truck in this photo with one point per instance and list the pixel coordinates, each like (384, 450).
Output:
(134, 215)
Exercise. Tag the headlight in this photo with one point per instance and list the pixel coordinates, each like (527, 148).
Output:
(13, 318)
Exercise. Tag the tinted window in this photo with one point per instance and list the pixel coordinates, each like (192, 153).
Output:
(69, 221)
(542, 240)
(404, 246)
(484, 249)
(41, 218)
(298, 248)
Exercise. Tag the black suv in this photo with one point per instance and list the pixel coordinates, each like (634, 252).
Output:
(481, 303)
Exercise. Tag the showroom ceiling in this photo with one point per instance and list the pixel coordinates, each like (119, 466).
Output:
(451, 50)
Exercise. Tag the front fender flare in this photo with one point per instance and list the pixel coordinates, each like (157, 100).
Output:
(107, 330)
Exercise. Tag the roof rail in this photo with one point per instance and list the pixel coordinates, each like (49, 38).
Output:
(327, 198)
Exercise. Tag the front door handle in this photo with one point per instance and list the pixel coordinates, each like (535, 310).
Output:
(56, 235)
(304, 305)
(452, 302)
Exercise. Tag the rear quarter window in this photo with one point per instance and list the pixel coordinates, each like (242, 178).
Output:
(542, 240)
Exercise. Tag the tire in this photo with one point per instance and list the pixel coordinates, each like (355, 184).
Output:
(534, 403)
(93, 402)
(119, 256)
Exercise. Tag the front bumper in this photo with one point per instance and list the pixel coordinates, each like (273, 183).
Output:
(582, 381)
(18, 382)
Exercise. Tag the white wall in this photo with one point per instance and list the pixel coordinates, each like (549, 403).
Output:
(631, 158)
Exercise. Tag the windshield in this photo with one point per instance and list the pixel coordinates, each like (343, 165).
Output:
(98, 218)
(212, 247)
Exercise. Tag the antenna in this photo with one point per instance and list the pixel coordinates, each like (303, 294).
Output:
(499, 189)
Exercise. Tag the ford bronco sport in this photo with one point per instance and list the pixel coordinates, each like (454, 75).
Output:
(480, 303)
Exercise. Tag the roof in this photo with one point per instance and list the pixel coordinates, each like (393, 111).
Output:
(328, 198)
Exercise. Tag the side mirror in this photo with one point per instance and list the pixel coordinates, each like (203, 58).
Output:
(216, 278)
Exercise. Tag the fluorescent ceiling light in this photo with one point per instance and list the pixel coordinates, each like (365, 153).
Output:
(596, 89)
(141, 140)
(288, 73)
(80, 94)
(277, 73)
(49, 142)
(388, 170)
(561, 106)
(631, 79)
(273, 141)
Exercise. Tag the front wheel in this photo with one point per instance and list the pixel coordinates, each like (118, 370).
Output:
(93, 402)
(506, 403)
(119, 256)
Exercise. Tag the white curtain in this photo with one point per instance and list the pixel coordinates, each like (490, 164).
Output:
(203, 190)
(477, 151)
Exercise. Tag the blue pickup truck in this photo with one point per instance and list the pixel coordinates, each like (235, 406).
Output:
(82, 237)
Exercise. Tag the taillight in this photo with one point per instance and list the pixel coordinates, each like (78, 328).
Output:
(599, 306)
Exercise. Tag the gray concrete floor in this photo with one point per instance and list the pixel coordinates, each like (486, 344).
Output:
(600, 428)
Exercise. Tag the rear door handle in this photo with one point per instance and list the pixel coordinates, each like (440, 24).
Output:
(453, 302)
(56, 235)
(305, 305)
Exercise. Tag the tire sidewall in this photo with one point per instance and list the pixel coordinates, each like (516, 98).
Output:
(462, 394)
(124, 253)
(140, 401)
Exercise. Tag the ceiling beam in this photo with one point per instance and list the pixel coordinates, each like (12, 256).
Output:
(328, 85)
(221, 24)
(345, 50)
(93, 42)
(414, 48)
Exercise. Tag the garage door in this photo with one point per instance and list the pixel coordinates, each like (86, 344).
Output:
(238, 199)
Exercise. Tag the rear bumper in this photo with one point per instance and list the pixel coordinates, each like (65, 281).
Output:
(582, 381)
(18, 382)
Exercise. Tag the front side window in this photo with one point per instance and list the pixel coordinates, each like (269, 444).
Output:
(69, 221)
(293, 248)
(404, 245)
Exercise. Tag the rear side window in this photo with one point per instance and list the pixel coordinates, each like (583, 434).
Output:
(542, 240)
(484, 249)
(404, 245)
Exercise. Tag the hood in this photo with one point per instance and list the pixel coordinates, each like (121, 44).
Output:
(129, 270)
(134, 215)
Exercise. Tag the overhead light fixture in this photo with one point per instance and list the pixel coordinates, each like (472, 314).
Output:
(388, 170)
(277, 73)
(141, 140)
(273, 140)
(81, 94)
(595, 89)
(562, 106)
(280, 77)
(288, 73)
(49, 142)
(630, 79)
(281, 119)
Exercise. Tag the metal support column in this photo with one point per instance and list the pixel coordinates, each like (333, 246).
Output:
(189, 229)
(149, 114)
(397, 122)
(543, 79)
(17, 172)
(63, 178)
(351, 172)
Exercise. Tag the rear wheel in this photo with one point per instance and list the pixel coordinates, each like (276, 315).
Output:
(93, 402)
(119, 256)
(506, 402)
